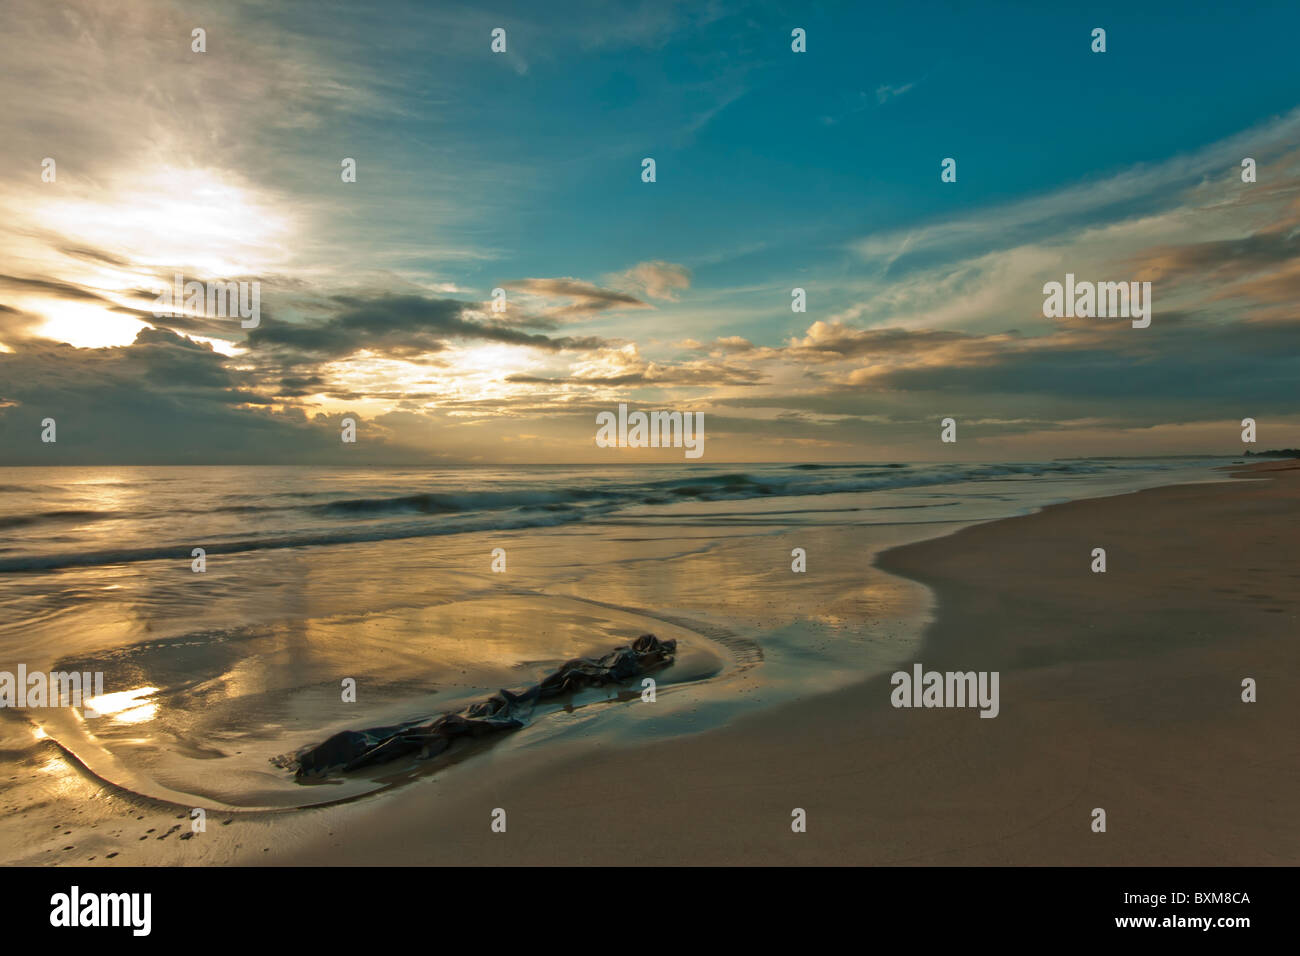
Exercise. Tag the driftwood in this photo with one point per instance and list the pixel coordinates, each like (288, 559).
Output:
(503, 711)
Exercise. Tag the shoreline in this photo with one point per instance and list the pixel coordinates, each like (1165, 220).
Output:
(1136, 710)
(816, 710)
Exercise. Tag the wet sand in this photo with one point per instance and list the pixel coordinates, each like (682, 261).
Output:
(424, 627)
(1119, 690)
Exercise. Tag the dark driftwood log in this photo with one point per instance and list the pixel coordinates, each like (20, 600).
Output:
(504, 710)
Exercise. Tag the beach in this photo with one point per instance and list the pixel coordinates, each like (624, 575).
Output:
(1119, 690)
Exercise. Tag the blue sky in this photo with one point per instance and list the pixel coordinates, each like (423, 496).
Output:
(800, 153)
(774, 170)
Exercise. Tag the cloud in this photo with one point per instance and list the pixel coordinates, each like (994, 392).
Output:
(1223, 259)
(397, 326)
(885, 92)
(656, 279)
(1188, 372)
(834, 341)
(583, 299)
(163, 399)
(692, 374)
(733, 343)
(52, 288)
(626, 367)
(1132, 195)
(860, 101)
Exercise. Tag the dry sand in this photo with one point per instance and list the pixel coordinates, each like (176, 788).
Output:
(1119, 690)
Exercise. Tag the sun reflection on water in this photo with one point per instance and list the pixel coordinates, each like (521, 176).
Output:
(127, 706)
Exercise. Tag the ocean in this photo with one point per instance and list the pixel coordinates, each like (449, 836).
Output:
(77, 517)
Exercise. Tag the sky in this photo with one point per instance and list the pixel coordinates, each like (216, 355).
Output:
(522, 171)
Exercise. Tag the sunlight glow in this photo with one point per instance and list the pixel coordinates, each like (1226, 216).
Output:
(85, 325)
(127, 706)
(476, 372)
(170, 216)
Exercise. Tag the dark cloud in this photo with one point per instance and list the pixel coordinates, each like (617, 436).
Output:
(586, 299)
(401, 326)
(297, 386)
(1226, 258)
(51, 288)
(164, 399)
(835, 341)
(96, 255)
(1171, 372)
(215, 328)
